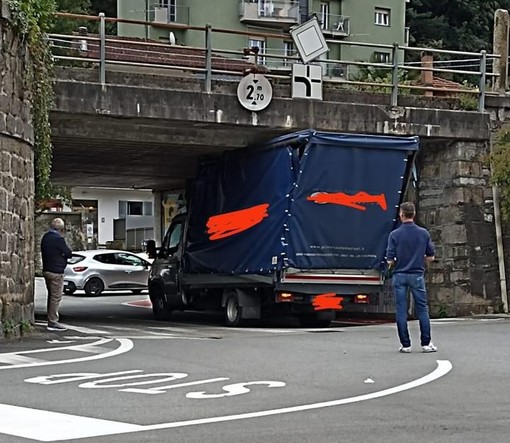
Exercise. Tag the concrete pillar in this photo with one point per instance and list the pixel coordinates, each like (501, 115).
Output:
(427, 77)
(500, 66)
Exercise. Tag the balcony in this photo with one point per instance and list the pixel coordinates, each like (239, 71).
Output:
(334, 26)
(169, 14)
(282, 14)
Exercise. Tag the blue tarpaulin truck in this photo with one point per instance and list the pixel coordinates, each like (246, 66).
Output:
(296, 226)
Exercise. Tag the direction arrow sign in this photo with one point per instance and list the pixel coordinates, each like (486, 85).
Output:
(307, 81)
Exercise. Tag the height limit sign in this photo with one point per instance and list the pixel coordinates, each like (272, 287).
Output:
(254, 92)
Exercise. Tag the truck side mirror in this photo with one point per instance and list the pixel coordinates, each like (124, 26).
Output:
(151, 248)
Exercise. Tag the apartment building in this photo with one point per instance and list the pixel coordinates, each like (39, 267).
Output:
(368, 21)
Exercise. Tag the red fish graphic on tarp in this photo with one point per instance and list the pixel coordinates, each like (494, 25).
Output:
(231, 223)
(328, 300)
(355, 201)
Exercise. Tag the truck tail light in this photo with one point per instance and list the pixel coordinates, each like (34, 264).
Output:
(362, 299)
(284, 297)
(79, 268)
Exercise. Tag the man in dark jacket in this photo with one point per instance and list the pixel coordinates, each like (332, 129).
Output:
(55, 253)
(409, 249)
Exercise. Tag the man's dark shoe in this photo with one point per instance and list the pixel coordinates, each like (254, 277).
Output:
(54, 326)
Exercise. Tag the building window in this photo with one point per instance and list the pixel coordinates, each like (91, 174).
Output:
(288, 51)
(382, 17)
(266, 8)
(147, 208)
(172, 9)
(324, 18)
(381, 57)
(261, 44)
(134, 208)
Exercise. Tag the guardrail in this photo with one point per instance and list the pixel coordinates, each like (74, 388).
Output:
(208, 62)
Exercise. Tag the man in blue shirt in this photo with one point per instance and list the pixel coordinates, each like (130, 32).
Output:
(409, 249)
(55, 252)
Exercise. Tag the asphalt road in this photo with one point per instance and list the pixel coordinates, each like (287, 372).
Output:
(118, 376)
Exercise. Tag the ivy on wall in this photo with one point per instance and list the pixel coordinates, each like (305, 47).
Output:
(32, 19)
(500, 169)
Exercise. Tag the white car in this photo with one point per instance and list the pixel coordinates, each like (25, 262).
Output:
(95, 271)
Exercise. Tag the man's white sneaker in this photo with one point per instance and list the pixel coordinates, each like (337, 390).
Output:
(404, 349)
(429, 348)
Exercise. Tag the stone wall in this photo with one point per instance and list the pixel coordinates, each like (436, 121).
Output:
(455, 204)
(16, 185)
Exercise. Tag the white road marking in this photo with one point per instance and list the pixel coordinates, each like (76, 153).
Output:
(87, 330)
(125, 346)
(83, 330)
(161, 389)
(54, 426)
(16, 359)
(162, 337)
(59, 341)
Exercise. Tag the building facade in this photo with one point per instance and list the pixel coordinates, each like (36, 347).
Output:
(120, 218)
(342, 22)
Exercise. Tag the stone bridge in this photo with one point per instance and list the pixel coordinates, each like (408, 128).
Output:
(146, 130)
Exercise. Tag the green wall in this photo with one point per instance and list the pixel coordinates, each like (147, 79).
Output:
(225, 14)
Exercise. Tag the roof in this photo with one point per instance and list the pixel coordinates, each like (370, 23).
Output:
(439, 82)
(141, 50)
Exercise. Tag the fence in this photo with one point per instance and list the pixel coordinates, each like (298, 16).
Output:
(393, 75)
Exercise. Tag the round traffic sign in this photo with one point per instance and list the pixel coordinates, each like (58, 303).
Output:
(254, 92)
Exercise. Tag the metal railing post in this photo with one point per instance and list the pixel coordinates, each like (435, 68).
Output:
(394, 75)
(102, 50)
(483, 80)
(208, 58)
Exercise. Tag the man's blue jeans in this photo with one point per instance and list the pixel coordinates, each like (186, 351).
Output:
(416, 283)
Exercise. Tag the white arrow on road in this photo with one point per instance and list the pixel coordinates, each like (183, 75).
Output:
(42, 425)
(35, 357)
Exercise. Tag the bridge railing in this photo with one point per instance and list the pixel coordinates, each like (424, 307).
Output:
(409, 70)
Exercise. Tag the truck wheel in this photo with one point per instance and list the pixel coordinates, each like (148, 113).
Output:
(232, 310)
(313, 321)
(94, 287)
(160, 307)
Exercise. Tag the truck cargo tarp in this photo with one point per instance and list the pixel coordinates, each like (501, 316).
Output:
(346, 200)
(309, 200)
(239, 208)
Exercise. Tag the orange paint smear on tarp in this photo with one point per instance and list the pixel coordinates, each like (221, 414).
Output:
(352, 201)
(232, 223)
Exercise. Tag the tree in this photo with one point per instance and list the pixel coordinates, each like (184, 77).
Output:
(67, 26)
(500, 170)
(109, 7)
(85, 7)
(464, 25)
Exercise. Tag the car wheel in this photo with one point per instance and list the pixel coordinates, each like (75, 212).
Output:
(160, 307)
(94, 287)
(69, 291)
(233, 312)
(136, 291)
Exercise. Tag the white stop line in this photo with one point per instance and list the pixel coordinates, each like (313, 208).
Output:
(42, 425)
